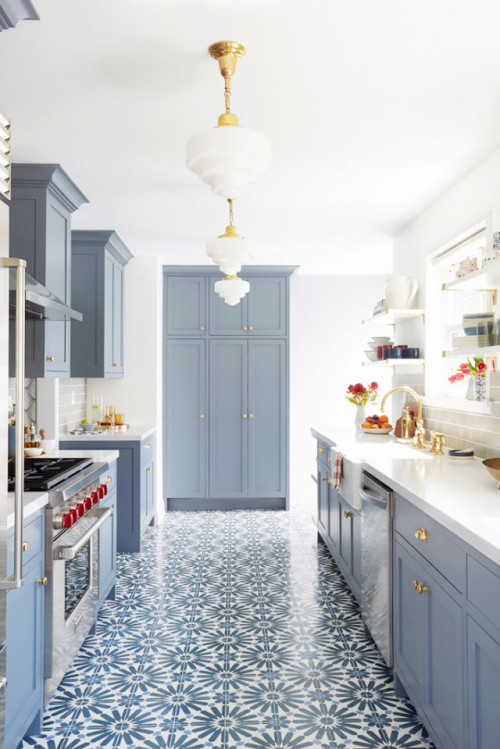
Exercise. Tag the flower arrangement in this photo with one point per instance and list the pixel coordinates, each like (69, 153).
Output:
(361, 395)
(476, 368)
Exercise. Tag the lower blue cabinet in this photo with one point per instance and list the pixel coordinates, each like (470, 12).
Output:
(483, 661)
(107, 551)
(25, 638)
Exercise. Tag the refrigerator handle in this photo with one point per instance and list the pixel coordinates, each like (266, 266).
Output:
(16, 581)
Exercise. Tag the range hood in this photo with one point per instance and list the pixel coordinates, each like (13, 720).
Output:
(41, 304)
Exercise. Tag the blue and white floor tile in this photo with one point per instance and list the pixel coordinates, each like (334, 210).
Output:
(229, 630)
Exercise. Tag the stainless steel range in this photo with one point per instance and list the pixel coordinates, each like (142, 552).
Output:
(73, 517)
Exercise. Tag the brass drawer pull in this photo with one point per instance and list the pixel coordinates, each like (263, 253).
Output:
(25, 546)
(149, 468)
(323, 478)
(115, 364)
(50, 358)
(202, 327)
(329, 460)
(147, 447)
(202, 416)
(321, 450)
(330, 481)
(422, 534)
(244, 327)
(419, 587)
(108, 479)
(250, 327)
(42, 581)
(347, 514)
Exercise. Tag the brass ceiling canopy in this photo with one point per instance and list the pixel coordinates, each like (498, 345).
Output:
(227, 53)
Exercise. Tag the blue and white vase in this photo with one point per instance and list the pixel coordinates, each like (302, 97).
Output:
(481, 388)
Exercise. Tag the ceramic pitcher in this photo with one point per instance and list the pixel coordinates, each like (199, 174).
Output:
(400, 292)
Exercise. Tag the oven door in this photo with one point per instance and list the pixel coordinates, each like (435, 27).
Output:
(72, 594)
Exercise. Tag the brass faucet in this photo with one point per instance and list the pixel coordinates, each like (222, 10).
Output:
(419, 438)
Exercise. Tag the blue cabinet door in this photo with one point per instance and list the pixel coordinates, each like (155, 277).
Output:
(483, 658)
(228, 418)
(186, 418)
(117, 322)
(224, 318)
(24, 637)
(322, 504)
(186, 305)
(267, 306)
(267, 398)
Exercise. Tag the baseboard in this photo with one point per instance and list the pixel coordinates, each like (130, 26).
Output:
(248, 503)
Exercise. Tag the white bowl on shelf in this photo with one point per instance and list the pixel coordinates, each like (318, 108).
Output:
(375, 344)
(371, 355)
(381, 339)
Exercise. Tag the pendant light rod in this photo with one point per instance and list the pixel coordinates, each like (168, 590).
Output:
(227, 54)
(230, 201)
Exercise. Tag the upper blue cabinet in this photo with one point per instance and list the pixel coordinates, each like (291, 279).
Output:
(98, 260)
(13, 11)
(43, 199)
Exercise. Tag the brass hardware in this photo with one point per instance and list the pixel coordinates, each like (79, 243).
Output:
(25, 546)
(227, 53)
(347, 514)
(422, 535)
(323, 478)
(329, 460)
(244, 327)
(250, 327)
(493, 292)
(244, 416)
(202, 327)
(108, 479)
(433, 442)
(50, 358)
(419, 587)
(43, 581)
(330, 481)
(419, 438)
(250, 416)
(115, 364)
(321, 450)
(149, 468)
(440, 442)
(202, 416)
(147, 447)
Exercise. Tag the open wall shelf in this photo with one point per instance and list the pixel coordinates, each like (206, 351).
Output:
(394, 316)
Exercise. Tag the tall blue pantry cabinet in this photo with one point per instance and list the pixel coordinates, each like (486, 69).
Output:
(226, 390)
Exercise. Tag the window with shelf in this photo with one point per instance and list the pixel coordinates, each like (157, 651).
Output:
(453, 294)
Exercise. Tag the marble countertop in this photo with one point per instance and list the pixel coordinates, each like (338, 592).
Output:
(134, 433)
(34, 501)
(459, 494)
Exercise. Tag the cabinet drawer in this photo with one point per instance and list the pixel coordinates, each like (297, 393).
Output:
(147, 448)
(32, 536)
(439, 548)
(483, 590)
(109, 476)
(323, 453)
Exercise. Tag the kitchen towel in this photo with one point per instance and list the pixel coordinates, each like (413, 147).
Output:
(337, 470)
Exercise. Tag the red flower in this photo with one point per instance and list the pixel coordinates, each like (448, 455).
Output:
(373, 386)
(481, 367)
(359, 388)
(459, 376)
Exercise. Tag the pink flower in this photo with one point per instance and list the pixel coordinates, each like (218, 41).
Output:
(481, 367)
(359, 388)
(459, 376)
(373, 386)
(350, 389)
(464, 368)
(452, 378)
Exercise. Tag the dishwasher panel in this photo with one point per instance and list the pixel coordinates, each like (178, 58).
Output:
(376, 563)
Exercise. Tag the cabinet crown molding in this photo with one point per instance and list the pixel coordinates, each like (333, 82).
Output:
(51, 177)
(108, 239)
(13, 11)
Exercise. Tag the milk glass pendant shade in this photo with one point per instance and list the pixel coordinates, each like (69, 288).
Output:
(230, 251)
(228, 157)
(232, 289)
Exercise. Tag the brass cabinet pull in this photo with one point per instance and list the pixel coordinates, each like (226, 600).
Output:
(244, 416)
(50, 358)
(147, 447)
(329, 460)
(202, 416)
(330, 481)
(250, 327)
(42, 581)
(323, 478)
(108, 479)
(347, 514)
(25, 546)
(419, 587)
(321, 450)
(115, 364)
(244, 327)
(250, 416)
(422, 534)
(202, 327)
(149, 468)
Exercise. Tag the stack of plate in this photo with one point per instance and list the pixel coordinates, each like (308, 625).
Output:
(376, 341)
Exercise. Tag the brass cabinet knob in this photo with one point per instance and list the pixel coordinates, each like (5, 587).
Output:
(202, 416)
(329, 460)
(419, 587)
(42, 581)
(250, 416)
(330, 481)
(323, 478)
(50, 358)
(347, 514)
(115, 364)
(250, 327)
(202, 327)
(25, 546)
(321, 450)
(147, 447)
(149, 468)
(108, 479)
(422, 534)
(244, 416)
(244, 327)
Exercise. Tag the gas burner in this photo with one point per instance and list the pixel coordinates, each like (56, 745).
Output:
(42, 474)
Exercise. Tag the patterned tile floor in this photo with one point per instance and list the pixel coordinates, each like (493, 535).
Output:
(229, 630)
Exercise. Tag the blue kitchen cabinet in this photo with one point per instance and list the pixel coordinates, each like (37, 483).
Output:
(97, 269)
(107, 538)
(238, 455)
(186, 420)
(135, 509)
(323, 500)
(43, 199)
(25, 638)
(13, 11)
(483, 661)
(228, 420)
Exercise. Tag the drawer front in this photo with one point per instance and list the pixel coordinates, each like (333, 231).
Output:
(435, 543)
(323, 453)
(108, 477)
(147, 448)
(33, 540)
(483, 590)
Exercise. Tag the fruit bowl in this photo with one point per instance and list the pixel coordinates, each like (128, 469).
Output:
(492, 465)
(370, 430)
(87, 427)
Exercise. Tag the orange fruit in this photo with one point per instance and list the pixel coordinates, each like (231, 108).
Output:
(366, 425)
(388, 426)
(375, 426)
(383, 419)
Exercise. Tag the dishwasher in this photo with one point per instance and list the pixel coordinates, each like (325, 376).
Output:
(376, 562)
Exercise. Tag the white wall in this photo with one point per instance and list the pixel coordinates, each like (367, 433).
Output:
(327, 341)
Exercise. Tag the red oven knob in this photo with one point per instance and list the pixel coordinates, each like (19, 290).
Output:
(74, 514)
(80, 508)
(95, 498)
(104, 488)
(67, 520)
(88, 503)
(100, 491)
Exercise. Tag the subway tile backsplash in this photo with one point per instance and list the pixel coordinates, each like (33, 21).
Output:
(72, 403)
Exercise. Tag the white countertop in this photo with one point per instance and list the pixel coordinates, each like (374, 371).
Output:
(34, 501)
(134, 433)
(459, 494)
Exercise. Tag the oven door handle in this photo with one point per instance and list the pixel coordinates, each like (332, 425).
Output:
(69, 552)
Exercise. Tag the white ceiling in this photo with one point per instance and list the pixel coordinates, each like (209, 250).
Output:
(372, 108)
